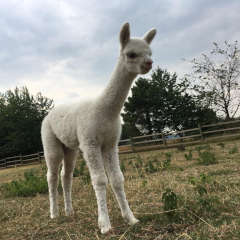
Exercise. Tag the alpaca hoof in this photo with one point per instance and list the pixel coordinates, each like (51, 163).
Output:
(104, 226)
(105, 230)
(133, 221)
(130, 219)
(69, 212)
(54, 215)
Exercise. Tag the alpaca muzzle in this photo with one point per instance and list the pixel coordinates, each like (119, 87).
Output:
(148, 64)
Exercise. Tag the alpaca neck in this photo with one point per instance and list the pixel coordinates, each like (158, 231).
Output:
(112, 99)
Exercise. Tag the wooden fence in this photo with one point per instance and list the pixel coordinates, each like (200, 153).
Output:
(199, 135)
(20, 160)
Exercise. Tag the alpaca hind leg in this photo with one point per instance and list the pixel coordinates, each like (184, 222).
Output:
(111, 161)
(99, 179)
(69, 162)
(53, 155)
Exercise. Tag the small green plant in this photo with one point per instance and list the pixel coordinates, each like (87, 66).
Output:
(139, 162)
(221, 145)
(168, 156)
(150, 168)
(30, 186)
(233, 150)
(180, 169)
(167, 163)
(122, 167)
(200, 187)
(144, 183)
(189, 156)
(170, 201)
(207, 157)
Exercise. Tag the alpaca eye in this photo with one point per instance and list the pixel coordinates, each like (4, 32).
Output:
(132, 55)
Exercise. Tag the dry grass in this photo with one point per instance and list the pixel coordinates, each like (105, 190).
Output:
(28, 217)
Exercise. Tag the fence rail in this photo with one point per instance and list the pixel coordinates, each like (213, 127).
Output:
(20, 160)
(148, 142)
(173, 139)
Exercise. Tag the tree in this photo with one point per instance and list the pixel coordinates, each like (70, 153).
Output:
(162, 104)
(129, 131)
(217, 79)
(21, 115)
(137, 108)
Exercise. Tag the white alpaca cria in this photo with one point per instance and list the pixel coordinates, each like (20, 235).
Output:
(95, 127)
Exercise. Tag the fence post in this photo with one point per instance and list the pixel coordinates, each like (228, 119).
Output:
(5, 162)
(164, 142)
(200, 130)
(21, 159)
(132, 143)
(39, 157)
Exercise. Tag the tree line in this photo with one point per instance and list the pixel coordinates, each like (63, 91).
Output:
(21, 115)
(208, 95)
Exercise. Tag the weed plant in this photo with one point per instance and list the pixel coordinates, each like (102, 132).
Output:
(221, 145)
(200, 187)
(189, 156)
(154, 165)
(233, 150)
(30, 186)
(169, 199)
(206, 157)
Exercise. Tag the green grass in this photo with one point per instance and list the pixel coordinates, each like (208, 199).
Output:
(205, 199)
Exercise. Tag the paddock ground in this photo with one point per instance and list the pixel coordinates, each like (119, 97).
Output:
(212, 216)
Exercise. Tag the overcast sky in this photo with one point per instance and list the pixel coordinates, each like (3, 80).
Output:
(68, 49)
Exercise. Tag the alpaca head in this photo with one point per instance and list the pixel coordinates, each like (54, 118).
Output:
(136, 52)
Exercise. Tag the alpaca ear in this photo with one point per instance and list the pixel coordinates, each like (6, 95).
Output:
(124, 35)
(149, 36)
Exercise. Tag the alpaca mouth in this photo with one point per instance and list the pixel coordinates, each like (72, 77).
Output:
(147, 66)
(146, 69)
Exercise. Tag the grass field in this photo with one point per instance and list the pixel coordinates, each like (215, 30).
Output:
(206, 206)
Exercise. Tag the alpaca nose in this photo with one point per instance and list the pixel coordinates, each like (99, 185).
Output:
(148, 64)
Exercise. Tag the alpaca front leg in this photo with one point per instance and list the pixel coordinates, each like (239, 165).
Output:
(111, 161)
(103, 218)
(99, 182)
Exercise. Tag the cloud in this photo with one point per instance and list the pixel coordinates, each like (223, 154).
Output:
(69, 48)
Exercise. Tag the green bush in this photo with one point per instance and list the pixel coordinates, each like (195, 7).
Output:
(144, 183)
(139, 162)
(30, 186)
(233, 150)
(200, 187)
(207, 158)
(170, 201)
(167, 163)
(152, 166)
(189, 156)
(221, 145)
(122, 167)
